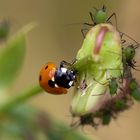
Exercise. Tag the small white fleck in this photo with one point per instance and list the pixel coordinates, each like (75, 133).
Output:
(63, 70)
(56, 85)
(52, 79)
(70, 83)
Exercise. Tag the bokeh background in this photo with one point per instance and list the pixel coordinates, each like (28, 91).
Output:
(55, 40)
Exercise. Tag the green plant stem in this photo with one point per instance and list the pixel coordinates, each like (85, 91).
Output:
(20, 98)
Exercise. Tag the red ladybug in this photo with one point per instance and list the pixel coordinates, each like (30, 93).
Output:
(56, 80)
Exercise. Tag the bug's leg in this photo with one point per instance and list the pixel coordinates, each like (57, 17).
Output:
(133, 67)
(136, 46)
(63, 62)
(134, 62)
(129, 37)
(75, 124)
(88, 24)
(91, 16)
(95, 8)
(122, 40)
(122, 33)
(115, 16)
(73, 61)
(69, 65)
(83, 31)
(110, 22)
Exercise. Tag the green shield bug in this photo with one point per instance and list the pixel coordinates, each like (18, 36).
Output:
(100, 16)
(128, 56)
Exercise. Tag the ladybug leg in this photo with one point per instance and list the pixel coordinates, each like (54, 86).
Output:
(65, 63)
(62, 63)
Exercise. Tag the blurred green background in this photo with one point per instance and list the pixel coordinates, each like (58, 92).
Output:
(54, 40)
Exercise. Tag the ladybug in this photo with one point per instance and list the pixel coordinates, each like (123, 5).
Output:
(56, 80)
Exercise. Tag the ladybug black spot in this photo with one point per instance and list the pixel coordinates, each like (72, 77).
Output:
(51, 83)
(40, 78)
(46, 67)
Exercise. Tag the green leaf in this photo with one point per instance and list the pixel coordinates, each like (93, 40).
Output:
(60, 131)
(12, 56)
(23, 121)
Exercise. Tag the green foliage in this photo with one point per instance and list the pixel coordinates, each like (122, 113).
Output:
(12, 56)
(25, 122)
(11, 59)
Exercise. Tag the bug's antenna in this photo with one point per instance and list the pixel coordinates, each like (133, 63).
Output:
(104, 8)
(76, 23)
(95, 8)
(130, 38)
